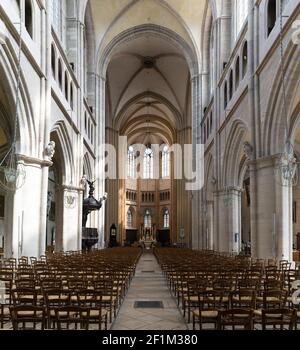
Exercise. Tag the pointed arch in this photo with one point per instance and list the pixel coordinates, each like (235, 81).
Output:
(273, 135)
(65, 147)
(207, 62)
(26, 128)
(87, 166)
(153, 30)
(231, 160)
(148, 94)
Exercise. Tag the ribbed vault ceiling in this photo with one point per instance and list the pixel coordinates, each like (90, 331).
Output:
(148, 79)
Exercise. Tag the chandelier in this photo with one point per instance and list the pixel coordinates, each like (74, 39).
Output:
(12, 172)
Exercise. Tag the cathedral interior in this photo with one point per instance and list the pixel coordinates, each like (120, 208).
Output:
(149, 153)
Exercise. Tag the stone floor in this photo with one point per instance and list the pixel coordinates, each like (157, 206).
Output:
(149, 284)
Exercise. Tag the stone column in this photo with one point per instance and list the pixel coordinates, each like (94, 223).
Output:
(112, 188)
(229, 223)
(27, 235)
(100, 155)
(210, 225)
(72, 208)
(45, 119)
(271, 213)
(234, 220)
(196, 139)
(223, 40)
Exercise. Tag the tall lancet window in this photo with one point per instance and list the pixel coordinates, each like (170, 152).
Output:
(148, 163)
(165, 162)
(166, 218)
(129, 218)
(147, 219)
(131, 162)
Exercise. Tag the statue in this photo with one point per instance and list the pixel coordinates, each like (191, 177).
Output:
(49, 200)
(83, 180)
(50, 150)
(248, 150)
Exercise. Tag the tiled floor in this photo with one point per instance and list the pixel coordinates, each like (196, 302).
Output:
(149, 285)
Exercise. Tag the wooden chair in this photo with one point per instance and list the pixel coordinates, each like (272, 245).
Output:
(191, 299)
(207, 310)
(110, 300)
(27, 317)
(5, 300)
(241, 318)
(93, 301)
(55, 298)
(278, 317)
(72, 317)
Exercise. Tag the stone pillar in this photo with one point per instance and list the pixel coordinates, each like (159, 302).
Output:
(112, 187)
(100, 156)
(234, 220)
(271, 213)
(70, 210)
(27, 235)
(210, 225)
(229, 223)
(196, 139)
(223, 40)
(222, 238)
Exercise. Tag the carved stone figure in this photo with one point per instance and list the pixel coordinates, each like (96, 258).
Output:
(49, 200)
(50, 150)
(248, 150)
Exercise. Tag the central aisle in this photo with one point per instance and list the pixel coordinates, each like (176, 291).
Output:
(149, 284)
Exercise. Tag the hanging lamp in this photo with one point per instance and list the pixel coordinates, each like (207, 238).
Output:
(12, 173)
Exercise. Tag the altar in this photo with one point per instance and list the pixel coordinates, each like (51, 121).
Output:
(147, 237)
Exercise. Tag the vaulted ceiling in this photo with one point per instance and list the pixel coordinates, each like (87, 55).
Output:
(148, 78)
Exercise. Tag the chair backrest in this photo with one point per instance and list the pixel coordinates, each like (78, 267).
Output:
(24, 296)
(72, 317)
(212, 299)
(236, 317)
(278, 317)
(56, 298)
(274, 299)
(27, 317)
(51, 283)
(243, 299)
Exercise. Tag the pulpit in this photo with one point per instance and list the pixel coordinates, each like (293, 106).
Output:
(89, 238)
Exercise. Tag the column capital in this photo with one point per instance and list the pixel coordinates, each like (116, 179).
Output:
(100, 77)
(264, 162)
(33, 161)
(71, 188)
(195, 77)
(231, 189)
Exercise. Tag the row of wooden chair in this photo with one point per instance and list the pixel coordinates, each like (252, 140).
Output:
(225, 290)
(96, 282)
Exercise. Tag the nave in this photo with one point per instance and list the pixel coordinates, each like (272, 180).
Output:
(159, 289)
(149, 285)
